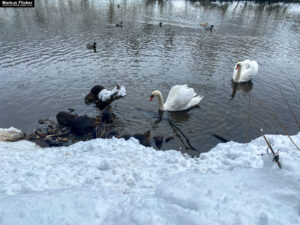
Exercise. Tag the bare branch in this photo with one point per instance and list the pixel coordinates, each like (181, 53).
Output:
(276, 156)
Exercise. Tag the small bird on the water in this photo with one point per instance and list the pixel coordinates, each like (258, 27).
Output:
(209, 28)
(91, 46)
(119, 24)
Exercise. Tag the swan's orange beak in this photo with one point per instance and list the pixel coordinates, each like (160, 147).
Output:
(151, 98)
(237, 67)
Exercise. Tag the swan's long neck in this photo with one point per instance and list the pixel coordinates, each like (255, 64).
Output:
(238, 74)
(160, 101)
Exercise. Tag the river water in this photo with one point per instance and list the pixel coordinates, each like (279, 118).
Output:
(45, 66)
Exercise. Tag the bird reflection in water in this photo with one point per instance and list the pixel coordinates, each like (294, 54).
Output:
(245, 87)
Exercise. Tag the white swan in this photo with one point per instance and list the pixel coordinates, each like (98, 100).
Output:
(180, 97)
(244, 71)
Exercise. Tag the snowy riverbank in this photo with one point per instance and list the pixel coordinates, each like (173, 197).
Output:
(121, 182)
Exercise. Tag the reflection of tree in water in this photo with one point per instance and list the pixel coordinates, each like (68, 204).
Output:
(161, 3)
(40, 14)
(84, 4)
(111, 12)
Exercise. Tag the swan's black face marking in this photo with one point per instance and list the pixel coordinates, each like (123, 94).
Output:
(151, 97)
(237, 66)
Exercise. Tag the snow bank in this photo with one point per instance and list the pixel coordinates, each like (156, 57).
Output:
(121, 182)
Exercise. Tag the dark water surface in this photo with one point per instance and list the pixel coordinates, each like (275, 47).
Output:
(45, 66)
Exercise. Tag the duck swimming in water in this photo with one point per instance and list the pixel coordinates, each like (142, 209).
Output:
(144, 139)
(91, 46)
(119, 24)
(209, 28)
(82, 125)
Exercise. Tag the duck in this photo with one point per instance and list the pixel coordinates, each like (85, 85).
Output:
(106, 116)
(102, 97)
(209, 28)
(11, 134)
(82, 125)
(65, 118)
(180, 98)
(158, 141)
(93, 95)
(244, 71)
(91, 46)
(119, 24)
(144, 139)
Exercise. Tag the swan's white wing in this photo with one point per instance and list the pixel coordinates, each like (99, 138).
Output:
(249, 69)
(179, 97)
(254, 66)
(195, 101)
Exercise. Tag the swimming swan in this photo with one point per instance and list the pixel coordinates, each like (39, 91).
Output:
(244, 71)
(180, 97)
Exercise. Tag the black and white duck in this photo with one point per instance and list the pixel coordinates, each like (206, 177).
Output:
(103, 97)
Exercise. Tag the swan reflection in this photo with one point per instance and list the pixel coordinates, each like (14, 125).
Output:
(245, 87)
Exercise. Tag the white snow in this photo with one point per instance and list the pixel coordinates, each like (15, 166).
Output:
(121, 182)
(105, 95)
